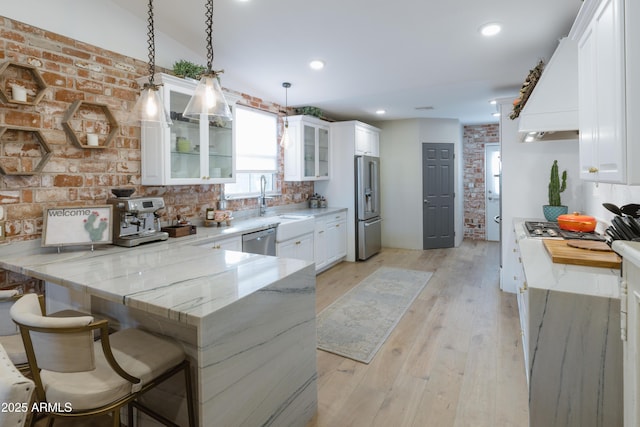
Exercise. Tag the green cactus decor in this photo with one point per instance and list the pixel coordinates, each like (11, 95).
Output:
(556, 186)
(96, 231)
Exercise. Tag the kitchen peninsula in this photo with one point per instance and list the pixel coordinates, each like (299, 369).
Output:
(570, 318)
(246, 321)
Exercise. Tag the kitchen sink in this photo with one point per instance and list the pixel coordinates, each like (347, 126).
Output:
(291, 226)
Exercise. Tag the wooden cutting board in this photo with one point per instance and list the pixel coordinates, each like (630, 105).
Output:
(561, 253)
(591, 245)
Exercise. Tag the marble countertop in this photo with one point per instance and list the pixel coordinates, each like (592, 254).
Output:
(629, 251)
(542, 273)
(172, 278)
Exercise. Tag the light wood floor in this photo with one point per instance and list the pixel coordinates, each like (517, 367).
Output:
(455, 358)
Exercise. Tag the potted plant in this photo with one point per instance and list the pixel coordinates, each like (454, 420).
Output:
(188, 69)
(556, 186)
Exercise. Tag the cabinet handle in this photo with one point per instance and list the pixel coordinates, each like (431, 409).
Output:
(321, 231)
(337, 225)
(298, 242)
(593, 170)
(205, 177)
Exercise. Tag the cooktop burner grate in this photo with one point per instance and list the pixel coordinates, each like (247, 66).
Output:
(546, 229)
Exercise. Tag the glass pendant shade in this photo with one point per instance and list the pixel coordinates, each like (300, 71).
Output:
(208, 100)
(284, 141)
(149, 107)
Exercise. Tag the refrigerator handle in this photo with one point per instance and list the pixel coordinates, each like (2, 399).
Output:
(374, 184)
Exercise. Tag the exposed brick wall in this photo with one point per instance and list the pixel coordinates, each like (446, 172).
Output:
(77, 176)
(474, 139)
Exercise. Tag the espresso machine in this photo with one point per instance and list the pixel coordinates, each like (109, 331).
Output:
(136, 220)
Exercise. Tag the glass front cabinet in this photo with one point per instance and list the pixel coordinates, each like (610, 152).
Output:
(187, 151)
(307, 156)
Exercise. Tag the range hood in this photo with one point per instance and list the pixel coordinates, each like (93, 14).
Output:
(551, 112)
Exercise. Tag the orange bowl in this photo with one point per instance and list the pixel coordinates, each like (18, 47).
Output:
(577, 222)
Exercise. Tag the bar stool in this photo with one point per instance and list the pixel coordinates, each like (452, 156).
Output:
(16, 392)
(10, 337)
(74, 373)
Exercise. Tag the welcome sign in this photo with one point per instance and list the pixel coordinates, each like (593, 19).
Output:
(87, 225)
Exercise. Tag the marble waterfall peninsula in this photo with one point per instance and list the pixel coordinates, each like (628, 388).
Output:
(246, 321)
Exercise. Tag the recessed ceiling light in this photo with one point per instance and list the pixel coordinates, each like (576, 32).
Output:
(493, 102)
(490, 29)
(381, 112)
(316, 64)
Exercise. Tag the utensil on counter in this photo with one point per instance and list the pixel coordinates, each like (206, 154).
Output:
(612, 208)
(632, 209)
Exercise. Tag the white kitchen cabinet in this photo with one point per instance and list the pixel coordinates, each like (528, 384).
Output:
(306, 158)
(320, 243)
(233, 243)
(336, 237)
(330, 239)
(367, 140)
(340, 189)
(300, 247)
(187, 152)
(608, 65)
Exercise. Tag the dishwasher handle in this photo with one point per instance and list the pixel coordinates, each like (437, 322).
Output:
(258, 235)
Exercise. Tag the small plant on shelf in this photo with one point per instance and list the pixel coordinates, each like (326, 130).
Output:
(184, 68)
(556, 186)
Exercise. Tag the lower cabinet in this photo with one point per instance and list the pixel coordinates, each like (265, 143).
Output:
(300, 247)
(330, 239)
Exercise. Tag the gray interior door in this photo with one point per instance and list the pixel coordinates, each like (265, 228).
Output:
(437, 196)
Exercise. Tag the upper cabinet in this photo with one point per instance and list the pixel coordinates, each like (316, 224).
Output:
(367, 140)
(306, 158)
(608, 96)
(188, 151)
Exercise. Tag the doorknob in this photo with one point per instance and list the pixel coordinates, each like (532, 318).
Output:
(426, 201)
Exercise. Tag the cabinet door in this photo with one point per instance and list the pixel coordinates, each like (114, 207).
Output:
(367, 142)
(184, 140)
(602, 99)
(337, 239)
(309, 150)
(323, 153)
(300, 247)
(320, 243)
(221, 152)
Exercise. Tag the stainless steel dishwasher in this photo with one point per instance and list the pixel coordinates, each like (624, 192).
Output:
(261, 242)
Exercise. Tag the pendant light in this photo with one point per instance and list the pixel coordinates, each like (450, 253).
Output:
(149, 107)
(208, 102)
(284, 142)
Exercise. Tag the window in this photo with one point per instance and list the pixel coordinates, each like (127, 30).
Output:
(256, 134)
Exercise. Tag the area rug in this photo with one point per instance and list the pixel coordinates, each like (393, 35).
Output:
(358, 323)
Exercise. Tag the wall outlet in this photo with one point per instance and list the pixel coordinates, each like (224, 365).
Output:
(2, 231)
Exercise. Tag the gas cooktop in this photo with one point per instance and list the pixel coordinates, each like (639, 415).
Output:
(548, 230)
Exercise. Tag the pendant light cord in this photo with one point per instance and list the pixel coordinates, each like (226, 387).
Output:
(151, 41)
(209, 22)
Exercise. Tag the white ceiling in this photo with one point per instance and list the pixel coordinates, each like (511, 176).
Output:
(396, 55)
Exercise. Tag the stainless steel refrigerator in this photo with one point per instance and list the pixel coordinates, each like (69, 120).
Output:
(368, 221)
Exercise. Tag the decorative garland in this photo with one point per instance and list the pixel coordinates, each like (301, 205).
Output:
(527, 88)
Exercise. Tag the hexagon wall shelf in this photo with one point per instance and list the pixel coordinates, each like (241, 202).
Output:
(85, 117)
(25, 153)
(24, 75)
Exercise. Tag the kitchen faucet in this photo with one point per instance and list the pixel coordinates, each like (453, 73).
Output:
(263, 196)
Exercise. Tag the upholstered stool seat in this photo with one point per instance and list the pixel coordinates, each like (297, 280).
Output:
(16, 390)
(140, 354)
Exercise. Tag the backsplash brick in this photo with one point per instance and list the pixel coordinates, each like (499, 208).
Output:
(74, 176)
